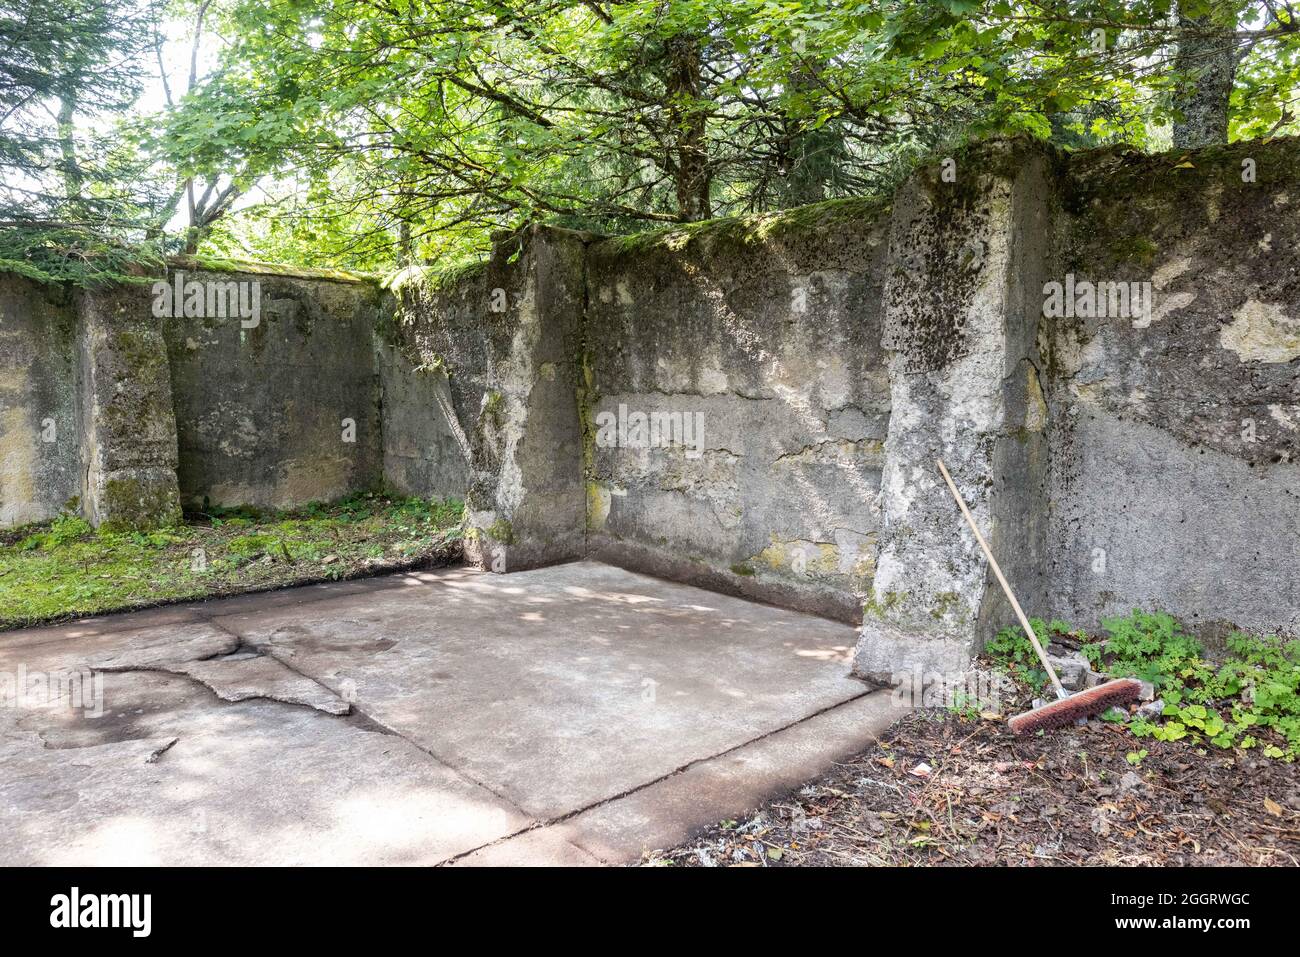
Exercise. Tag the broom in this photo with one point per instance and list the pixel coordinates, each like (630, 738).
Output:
(1067, 709)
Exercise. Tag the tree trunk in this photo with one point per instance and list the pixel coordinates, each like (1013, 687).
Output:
(72, 178)
(1207, 61)
(689, 129)
(405, 245)
(810, 156)
(813, 156)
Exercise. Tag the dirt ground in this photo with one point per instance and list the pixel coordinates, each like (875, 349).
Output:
(942, 789)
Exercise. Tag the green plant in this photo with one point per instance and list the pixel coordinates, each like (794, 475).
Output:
(63, 568)
(67, 528)
(1011, 649)
(1146, 646)
(1250, 699)
(965, 706)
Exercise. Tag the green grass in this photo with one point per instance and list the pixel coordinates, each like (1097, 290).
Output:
(66, 569)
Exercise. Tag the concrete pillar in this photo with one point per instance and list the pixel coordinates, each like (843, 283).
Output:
(967, 252)
(128, 423)
(526, 503)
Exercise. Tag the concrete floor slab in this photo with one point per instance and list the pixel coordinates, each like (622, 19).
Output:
(170, 775)
(540, 847)
(665, 813)
(559, 715)
(564, 686)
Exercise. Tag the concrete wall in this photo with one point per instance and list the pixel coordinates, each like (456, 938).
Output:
(284, 412)
(424, 454)
(128, 423)
(127, 414)
(763, 338)
(830, 355)
(507, 336)
(961, 315)
(40, 459)
(825, 358)
(1176, 439)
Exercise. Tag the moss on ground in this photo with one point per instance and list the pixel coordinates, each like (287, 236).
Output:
(67, 569)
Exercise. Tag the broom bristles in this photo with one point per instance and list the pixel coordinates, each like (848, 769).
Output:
(1065, 712)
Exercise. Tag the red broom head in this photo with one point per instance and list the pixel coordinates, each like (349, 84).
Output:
(1060, 714)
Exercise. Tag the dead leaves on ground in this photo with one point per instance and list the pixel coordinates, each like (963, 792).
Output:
(942, 790)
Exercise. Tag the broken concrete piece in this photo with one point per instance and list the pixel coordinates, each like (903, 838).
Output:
(217, 659)
(1073, 671)
(1152, 709)
(162, 649)
(240, 678)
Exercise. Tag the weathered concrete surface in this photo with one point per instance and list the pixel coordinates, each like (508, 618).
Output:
(40, 467)
(172, 776)
(102, 399)
(961, 317)
(425, 452)
(508, 337)
(610, 675)
(653, 818)
(1176, 447)
(287, 411)
(494, 719)
(128, 445)
(758, 344)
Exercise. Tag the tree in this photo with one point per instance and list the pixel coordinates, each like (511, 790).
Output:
(416, 128)
(202, 209)
(68, 198)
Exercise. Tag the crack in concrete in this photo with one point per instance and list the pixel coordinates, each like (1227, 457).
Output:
(695, 762)
(179, 672)
(368, 722)
(239, 685)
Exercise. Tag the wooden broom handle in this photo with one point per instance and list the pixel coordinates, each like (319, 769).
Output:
(993, 563)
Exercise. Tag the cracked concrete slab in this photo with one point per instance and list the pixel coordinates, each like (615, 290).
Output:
(663, 814)
(156, 649)
(171, 776)
(567, 715)
(564, 686)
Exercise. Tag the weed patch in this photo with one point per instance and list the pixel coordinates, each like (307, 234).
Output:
(1249, 699)
(67, 569)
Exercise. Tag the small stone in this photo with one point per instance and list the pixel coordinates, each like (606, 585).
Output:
(1152, 709)
(1131, 781)
(1072, 671)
